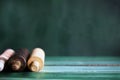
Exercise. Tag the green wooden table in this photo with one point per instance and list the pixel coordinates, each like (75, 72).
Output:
(72, 68)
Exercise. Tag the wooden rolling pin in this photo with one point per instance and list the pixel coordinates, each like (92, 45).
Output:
(18, 61)
(4, 57)
(36, 61)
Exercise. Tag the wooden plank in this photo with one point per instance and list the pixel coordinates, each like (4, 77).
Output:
(72, 68)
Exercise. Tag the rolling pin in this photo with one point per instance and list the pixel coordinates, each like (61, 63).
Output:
(4, 57)
(36, 61)
(18, 61)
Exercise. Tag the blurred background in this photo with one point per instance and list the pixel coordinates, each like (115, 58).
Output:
(61, 27)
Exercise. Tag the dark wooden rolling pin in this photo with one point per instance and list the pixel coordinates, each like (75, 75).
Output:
(18, 61)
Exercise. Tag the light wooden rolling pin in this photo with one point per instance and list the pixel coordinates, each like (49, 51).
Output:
(36, 61)
(4, 57)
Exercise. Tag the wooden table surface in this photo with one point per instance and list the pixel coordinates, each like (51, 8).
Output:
(72, 68)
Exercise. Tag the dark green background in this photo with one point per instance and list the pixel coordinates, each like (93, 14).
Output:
(61, 27)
